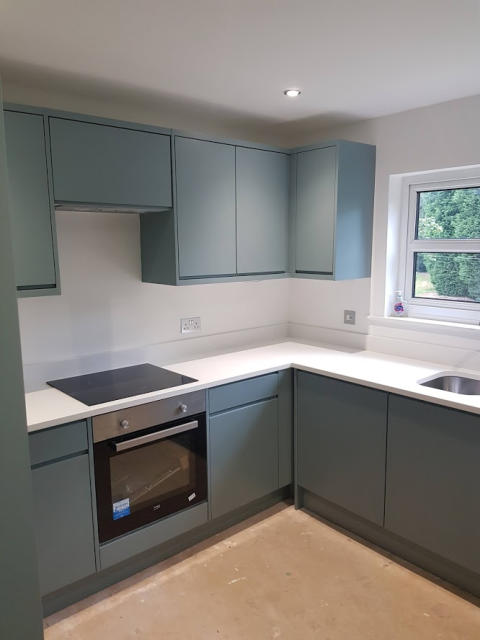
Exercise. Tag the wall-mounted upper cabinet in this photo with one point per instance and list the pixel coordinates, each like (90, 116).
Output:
(333, 210)
(262, 211)
(231, 216)
(98, 166)
(210, 210)
(32, 213)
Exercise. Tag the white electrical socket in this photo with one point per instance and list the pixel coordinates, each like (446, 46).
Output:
(349, 316)
(189, 325)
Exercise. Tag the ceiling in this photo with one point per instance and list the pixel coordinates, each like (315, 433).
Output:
(353, 59)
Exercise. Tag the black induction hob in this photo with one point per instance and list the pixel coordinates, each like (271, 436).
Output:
(106, 386)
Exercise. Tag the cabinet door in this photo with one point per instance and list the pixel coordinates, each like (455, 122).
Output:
(342, 444)
(315, 211)
(32, 228)
(107, 165)
(243, 455)
(433, 479)
(63, 522)
(205, 179)
(262, 211)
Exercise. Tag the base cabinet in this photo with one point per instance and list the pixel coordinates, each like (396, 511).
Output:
(63, 522)
(341, 443)
(243, 455)
(433, 478)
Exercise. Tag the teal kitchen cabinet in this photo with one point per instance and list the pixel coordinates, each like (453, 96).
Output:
(33, 216)
(433, 476)
(230, 218)
(333, 210)
(109, 166)
(243, 455)
(262, 211)
(341, 439)
(250, 440)
(63, 517)
(205, 208)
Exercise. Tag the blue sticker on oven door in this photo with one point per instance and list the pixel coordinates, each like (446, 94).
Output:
(121, 508)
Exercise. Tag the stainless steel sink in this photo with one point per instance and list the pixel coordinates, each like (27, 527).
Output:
(454, 384)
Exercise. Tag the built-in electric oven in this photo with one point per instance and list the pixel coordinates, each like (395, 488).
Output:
(150, 462)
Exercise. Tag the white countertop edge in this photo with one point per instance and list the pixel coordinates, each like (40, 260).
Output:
(39, 403)
(417, 393)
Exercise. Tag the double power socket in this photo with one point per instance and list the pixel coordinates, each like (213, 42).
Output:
(190, 325)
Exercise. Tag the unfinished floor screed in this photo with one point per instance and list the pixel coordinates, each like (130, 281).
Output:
(282, 574)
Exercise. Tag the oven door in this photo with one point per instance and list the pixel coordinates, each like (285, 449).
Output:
(153, 473)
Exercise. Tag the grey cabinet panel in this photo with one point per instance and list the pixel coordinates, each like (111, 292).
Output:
(342, 443)
(101, 164)
(32, 223)
(262, 211)
(433, 479)
(63, 522)
(205, 189)
(57, 442)
(243, 455)
(315, 210)
(235, 394)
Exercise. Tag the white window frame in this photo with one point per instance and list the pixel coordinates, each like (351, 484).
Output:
(449, 310)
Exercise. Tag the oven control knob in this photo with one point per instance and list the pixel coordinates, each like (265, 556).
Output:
(124, 424)
(183, 408)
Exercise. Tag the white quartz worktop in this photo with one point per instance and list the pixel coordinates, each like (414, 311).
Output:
(49, 407)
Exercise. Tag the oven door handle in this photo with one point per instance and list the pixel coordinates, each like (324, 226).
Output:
(157, 435)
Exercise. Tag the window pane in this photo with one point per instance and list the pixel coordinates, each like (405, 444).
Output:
(447, 276)
(449, 213)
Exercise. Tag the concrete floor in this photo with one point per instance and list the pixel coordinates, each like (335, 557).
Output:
(282, 574)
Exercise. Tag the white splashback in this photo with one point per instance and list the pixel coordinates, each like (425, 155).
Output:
(106, 316)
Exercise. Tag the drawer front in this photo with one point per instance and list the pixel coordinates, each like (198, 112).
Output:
(243, 392)
(58, 442)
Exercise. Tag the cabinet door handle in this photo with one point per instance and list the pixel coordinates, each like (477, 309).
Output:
(157, 435)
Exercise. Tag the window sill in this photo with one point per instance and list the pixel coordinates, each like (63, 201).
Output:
(432, 326)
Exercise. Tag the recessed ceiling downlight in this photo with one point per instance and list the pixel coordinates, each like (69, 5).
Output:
(292, 93)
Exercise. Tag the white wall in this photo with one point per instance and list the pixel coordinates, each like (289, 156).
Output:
(435, 137)
(104, 306)
(316, 310)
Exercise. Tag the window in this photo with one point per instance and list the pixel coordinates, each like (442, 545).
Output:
(442, 256)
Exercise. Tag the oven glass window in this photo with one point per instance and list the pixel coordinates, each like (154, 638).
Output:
(145, 476)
